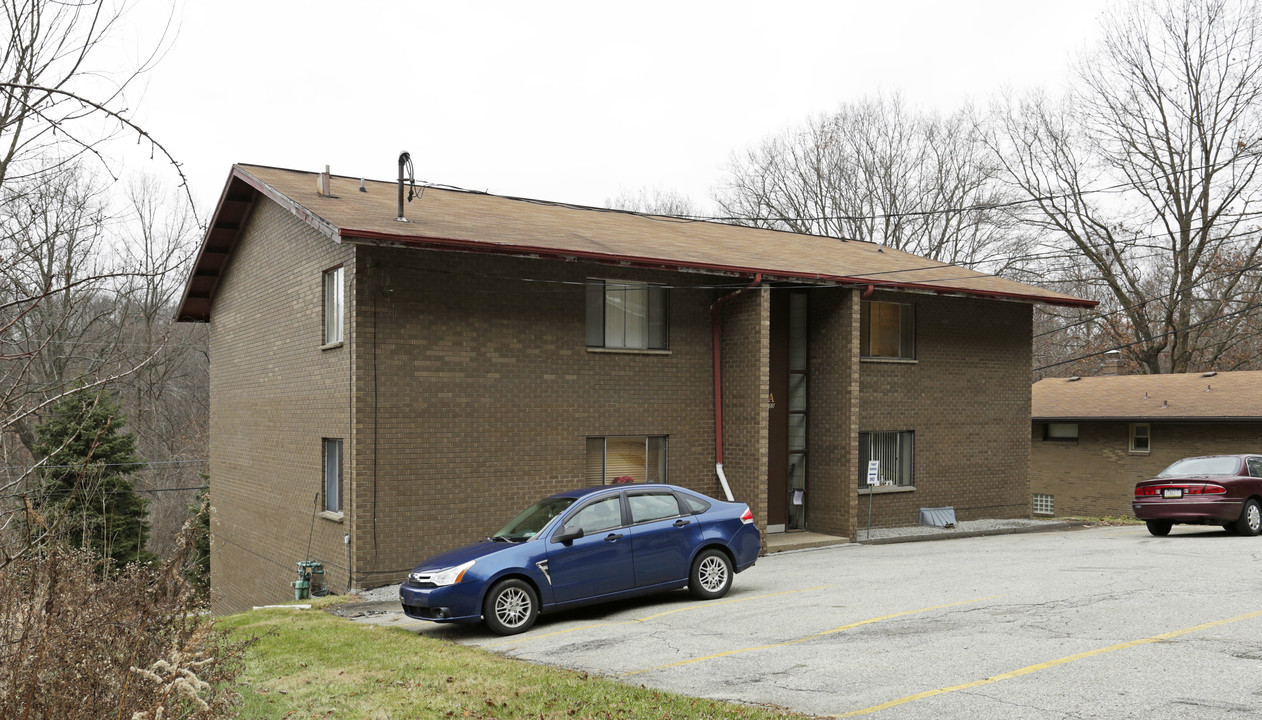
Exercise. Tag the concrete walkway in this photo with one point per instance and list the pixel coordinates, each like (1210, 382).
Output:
(784, 542)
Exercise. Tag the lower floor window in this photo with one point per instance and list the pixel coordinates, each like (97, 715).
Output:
(623, 459)
(1044, 504)
(332, 475)
(895, 451)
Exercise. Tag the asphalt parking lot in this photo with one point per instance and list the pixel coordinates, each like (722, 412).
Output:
(1105, 622)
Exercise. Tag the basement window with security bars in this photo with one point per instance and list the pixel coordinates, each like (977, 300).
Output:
(626, 315)
(896, 452)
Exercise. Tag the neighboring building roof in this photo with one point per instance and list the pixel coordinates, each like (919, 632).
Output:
(456, 220)
(1234, 396)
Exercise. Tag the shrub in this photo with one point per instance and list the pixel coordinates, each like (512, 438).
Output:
(77, 642)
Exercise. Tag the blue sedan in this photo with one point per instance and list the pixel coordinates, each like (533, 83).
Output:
(585, 546)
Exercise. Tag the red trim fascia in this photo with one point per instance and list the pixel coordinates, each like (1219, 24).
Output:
(659, 264)
(718, 370)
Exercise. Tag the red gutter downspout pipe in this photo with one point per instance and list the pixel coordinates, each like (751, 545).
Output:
(718, 381)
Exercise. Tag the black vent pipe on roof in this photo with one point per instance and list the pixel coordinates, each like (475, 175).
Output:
(405, 163)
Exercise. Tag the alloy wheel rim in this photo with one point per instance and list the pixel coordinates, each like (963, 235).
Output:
(1255, 518)
(713, 574)
(512, 607)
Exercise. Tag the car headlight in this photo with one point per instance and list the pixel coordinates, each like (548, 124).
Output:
(451, 575)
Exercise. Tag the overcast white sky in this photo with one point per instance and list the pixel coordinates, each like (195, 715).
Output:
(566, 101)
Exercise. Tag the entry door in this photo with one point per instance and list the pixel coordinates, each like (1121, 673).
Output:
(786, 457)
(778, 421)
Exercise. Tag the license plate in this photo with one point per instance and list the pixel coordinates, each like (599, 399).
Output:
(1172, 493)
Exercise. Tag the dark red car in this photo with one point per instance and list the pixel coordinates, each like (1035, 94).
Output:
(1212, 490)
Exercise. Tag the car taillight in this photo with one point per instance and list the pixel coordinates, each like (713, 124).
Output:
(747, 517)
(1157, 490)
(1207, 489)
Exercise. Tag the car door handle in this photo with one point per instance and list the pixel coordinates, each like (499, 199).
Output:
(613, 537)
(681, 523)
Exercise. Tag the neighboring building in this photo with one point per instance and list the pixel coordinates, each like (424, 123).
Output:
(383, 390)
(1093, 438)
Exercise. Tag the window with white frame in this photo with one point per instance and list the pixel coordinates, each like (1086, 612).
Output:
(334, 305)
(624, 314)
(1044, 504)
(887, 330)
(896, 452)
(333, 475)
(1141, 438)
(612, 460)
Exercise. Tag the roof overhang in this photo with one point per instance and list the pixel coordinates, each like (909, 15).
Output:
(243, 190)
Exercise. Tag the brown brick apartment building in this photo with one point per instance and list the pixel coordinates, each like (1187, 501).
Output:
(382, 390)
(1093, 438)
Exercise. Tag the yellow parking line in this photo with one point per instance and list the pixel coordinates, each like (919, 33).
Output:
(694, 606)
(1049, 664)
(843, 628)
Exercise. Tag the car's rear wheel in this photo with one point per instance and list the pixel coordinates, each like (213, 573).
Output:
(1250, 522)
(711, 575)
(1160, 528)
(511, 607)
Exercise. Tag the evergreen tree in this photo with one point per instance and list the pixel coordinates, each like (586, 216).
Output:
(85, 487)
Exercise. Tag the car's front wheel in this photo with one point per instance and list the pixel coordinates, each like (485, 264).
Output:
(511, 607)
(711, 575)
(1160, 528)
(1250, 522)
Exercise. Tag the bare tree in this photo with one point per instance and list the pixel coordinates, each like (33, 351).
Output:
(880, 172)
(60, 96)
(1143, 180)
(78, 300)
(655, 201)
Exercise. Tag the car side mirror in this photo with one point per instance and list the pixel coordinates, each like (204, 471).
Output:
(568, 535)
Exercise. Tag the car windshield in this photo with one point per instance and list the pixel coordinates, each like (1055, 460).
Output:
(1203, 466)
(533, 519)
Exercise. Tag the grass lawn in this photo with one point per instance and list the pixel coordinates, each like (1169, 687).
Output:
(310, 664)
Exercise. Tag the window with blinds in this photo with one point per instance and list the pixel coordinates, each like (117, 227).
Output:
(624, 314)
(895, 451)
(626, 459)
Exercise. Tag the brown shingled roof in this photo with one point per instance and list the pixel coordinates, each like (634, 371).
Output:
(446, 219)
(1185, 396)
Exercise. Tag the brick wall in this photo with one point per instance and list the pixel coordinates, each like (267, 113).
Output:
(1096, 475)
(967, 398)
(482, 393)
(746, 364)
(833, 392)
(274, 395)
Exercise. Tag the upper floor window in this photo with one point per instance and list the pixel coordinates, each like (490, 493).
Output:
(334, 305)
(1060, 431)
(625, 314)
(887, 330)
(1141, 438)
